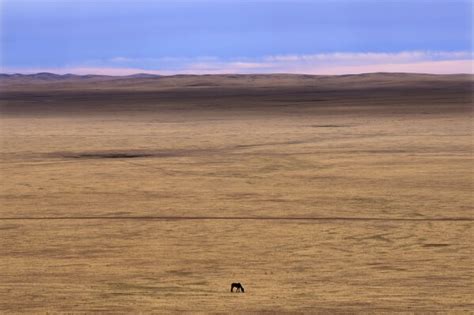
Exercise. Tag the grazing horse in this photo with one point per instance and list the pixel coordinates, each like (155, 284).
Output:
(238, 286)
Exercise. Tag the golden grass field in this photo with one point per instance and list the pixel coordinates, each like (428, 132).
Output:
(319, 194)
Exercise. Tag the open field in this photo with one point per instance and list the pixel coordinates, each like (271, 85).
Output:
(340, 194)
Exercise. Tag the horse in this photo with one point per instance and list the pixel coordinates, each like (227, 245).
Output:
(238, 286)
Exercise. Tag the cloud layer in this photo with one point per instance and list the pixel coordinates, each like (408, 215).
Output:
(326, 63)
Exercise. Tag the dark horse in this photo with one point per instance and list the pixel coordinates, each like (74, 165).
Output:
(238, 286)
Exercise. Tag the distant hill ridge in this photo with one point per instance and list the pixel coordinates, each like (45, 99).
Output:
(54, 76)
(150, 82)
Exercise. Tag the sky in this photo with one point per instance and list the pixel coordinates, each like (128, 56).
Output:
(120, 37)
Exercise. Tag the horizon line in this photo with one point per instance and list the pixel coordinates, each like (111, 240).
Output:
(230, 73)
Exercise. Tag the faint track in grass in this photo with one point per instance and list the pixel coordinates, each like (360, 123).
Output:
(190, 218)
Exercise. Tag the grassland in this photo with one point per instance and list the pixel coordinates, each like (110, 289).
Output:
(338, 194)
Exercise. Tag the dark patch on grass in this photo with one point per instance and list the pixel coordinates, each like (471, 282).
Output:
(115, 155)
(328, 126)
(435, 245)
(109, 156)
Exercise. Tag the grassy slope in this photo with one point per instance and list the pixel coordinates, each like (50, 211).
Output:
(379, 146)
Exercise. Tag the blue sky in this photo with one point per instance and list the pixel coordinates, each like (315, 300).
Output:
(236, 36)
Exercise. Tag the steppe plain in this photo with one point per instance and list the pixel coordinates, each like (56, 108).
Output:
(318, 193)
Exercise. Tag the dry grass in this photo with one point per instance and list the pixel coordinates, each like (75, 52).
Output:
(390, 163)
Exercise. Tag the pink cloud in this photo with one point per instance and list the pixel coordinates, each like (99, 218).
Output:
(433, 67)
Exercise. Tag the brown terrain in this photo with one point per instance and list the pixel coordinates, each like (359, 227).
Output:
(317, 193)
